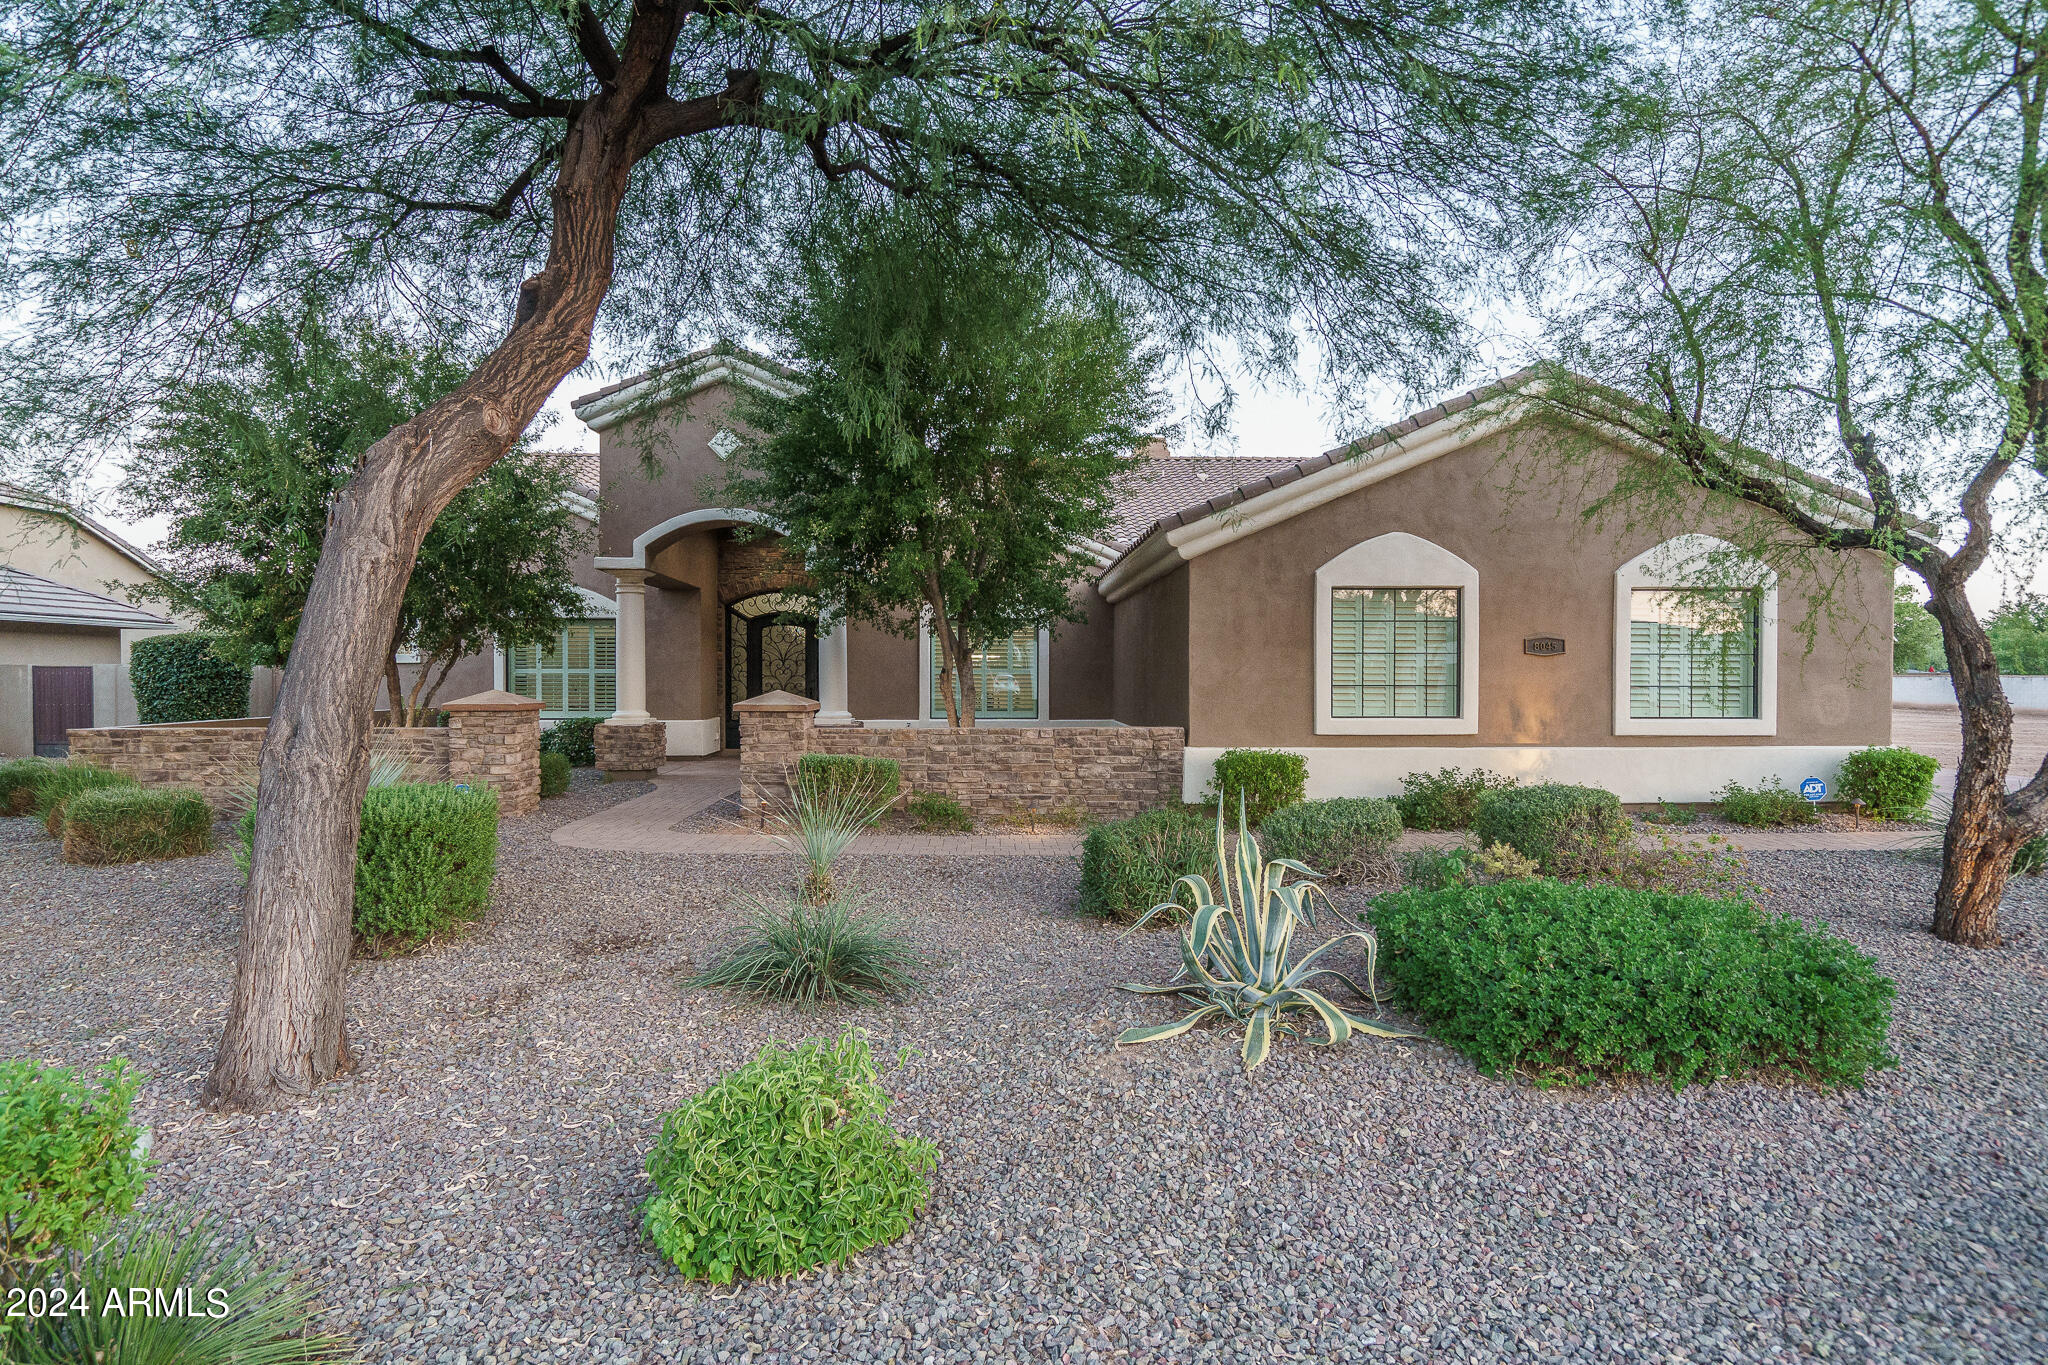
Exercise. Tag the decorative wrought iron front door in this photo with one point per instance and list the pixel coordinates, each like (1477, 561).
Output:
(771, 645)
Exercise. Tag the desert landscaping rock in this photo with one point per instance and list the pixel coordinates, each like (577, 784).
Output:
(470, 1194)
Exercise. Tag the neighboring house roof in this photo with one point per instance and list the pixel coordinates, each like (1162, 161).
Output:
(13, 495)
(28, 599)
(582, 470)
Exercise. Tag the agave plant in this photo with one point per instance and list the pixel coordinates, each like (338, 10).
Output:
(817, 819)
(1236, 950)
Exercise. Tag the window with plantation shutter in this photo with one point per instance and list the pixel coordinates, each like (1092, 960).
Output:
(1692, 654)
(1006, 672)
(1394, 652)
(573, 673)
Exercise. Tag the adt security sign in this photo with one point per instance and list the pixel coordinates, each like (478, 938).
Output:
(1813, 789)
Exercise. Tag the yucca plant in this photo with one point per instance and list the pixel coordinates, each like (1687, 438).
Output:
(386, 770)
(818, 817)
(1236, 951)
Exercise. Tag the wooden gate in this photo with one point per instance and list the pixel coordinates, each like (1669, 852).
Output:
(62, 701)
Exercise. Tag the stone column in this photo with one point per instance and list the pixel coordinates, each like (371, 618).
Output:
(494, 741)
(632, 645)
(775, 731)
(832, 677)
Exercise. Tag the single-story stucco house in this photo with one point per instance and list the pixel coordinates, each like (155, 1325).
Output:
(65, 624)
(1428, 596)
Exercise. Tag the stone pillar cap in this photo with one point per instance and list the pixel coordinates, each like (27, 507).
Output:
(494, 700)
(776, 701)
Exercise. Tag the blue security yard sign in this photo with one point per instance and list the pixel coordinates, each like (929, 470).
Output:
(1813, 789)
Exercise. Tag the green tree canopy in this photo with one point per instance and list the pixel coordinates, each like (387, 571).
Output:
(1916, 635)
(247, 460)
(947, 455)
(2019, 636)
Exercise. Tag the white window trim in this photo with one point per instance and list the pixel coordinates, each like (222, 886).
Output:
(1399, 560)
(924, 681)
(1679, 563)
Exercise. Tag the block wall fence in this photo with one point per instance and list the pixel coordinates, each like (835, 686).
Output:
(491, 739)
(1107, 772)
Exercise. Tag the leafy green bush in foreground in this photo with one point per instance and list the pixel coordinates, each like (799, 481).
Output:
(554, 774)
(70, 1161)
(1346, 837)
(787, 1163)
(130, 824)
(1129, 866)
(1573, 982)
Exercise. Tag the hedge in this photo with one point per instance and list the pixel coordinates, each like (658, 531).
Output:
(129, 824)
(876, 778)
(180, 678)
(1269, 779)
(1570, 982)
(1892, 783)
(1346, 837)
(574, 739)
(554, 773)
(1550, 822)
(424, 861)
(55, 788)
(18, 779)
(1129, 866)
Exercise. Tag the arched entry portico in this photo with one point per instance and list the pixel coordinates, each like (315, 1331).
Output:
(771, 645)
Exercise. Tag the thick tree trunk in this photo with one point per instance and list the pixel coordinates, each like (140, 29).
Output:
(286, 1029)
(1982, 830)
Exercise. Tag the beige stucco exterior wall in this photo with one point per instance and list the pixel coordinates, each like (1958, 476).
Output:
(1150, 656)
(1542, 571)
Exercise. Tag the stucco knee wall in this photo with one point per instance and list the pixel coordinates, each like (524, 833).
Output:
(1636, 775)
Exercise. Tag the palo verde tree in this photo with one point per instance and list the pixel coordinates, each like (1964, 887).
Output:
(1241, 166)
(1816, 231)
(947, 451)
(246, 463)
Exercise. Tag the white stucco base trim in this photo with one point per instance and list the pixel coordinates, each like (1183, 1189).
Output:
(1689, 772)
(695, 738)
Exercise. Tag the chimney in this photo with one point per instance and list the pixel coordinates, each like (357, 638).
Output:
(1155, 449)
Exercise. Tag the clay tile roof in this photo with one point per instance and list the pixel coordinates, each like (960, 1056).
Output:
(31, 599)
(1149, 489)
(582, 469)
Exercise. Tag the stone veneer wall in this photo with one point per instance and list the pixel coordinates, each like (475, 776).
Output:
(482, 744)
(746, 567)
(1106, 772)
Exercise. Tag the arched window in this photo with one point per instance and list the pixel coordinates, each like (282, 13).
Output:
(1397, 640)
(1695, 641)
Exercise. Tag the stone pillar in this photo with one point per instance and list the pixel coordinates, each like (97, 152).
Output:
(775, 731)
(832, 677)
(494, 741)
(632, 645)
(631, 750)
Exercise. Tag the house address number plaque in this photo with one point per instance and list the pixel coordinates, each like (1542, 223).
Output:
(1545, 645)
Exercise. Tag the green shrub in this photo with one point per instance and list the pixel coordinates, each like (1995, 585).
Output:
(265, 1312)
(938, 813)
(63, 781)
(1129, 866)
(574, 739)
(554, 774)
(787, 1163)
(1568, 983)
(1270, 779)
(1892, 784)
(1551, 821)
(872, 779)
(1668, 814)
(70, 1160)
(817, 955)
(1347, 837)
(825, 809)
(2031, 858)
(1447, 798)
(1433, 869)
(424, 862)
(18, 781)
(130, 824)
(1769, 803)
(181, 678)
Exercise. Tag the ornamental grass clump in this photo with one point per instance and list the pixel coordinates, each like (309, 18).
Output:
(817, 955)
(71, 1161)
(787, 1163)
(130, 824)
(18, 779)
(1236, 953)
(1567, 984)
(825, 810)
(55, 788)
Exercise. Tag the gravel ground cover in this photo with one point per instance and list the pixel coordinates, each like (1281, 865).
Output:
(471, 1193)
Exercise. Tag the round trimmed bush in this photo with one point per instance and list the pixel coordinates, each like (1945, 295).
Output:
(787, 1163)
(1343, 838)
(1129, 866)
(55, 788)
(1551, 822)
(181, 678)
(554, 774)
(1267, 779)
(1892, 783)
(18, 780)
